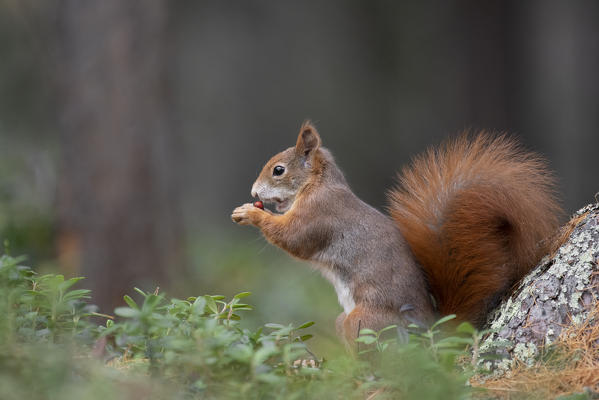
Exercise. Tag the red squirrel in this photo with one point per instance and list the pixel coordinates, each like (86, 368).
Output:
(467, 221)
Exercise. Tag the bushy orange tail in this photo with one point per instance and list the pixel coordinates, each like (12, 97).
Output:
(477, 214)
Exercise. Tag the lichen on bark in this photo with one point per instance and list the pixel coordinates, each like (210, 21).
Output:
(558, 292)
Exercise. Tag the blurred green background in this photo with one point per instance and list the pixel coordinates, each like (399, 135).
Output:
(130, 130)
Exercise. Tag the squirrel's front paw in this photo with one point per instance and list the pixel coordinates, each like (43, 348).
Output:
(246, 214)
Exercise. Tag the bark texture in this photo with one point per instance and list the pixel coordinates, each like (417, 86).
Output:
(557, 293)
(117, 195)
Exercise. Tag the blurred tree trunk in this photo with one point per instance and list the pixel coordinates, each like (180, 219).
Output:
(117, 202)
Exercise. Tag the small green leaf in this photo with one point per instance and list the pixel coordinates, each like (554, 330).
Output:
(211, 304)
(465, 327)
(130, 302)
(77, 294)
(96, 314)
(306, 325)
(366, 339)
(151, 301)
(68, 283)
(274, 326)
(199, 305)
(387, 328)
(242, 295)
(443, 320)
(270, 378)
(126, 312)
(241, 306)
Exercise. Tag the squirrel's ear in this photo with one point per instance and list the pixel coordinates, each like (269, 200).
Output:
(308, 139)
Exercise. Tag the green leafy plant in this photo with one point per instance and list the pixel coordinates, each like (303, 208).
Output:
(199, 347)
(41, 307)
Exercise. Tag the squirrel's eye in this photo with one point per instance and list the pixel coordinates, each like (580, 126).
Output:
(278, 170)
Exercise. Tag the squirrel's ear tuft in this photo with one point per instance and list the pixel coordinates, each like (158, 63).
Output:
(308, 139)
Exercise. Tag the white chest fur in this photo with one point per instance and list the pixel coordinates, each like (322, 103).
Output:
(344, 294)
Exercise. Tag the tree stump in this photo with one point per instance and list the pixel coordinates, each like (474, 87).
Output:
(559, 292)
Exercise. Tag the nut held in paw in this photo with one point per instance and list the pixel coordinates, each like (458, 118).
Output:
(259, 204)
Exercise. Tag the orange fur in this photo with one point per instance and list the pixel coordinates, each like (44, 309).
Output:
(476, 213)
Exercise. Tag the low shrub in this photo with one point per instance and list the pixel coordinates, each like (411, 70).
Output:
(52, 347)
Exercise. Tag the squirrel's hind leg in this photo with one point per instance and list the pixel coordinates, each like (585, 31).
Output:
(362, 317)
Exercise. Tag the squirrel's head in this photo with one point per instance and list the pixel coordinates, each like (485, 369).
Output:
(286, 173)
